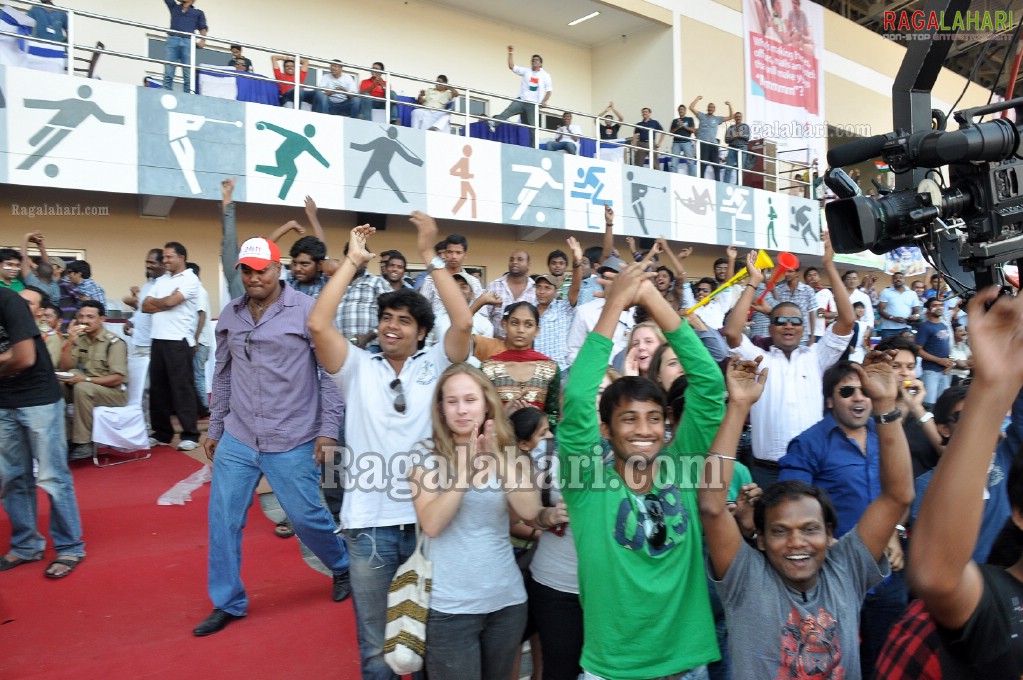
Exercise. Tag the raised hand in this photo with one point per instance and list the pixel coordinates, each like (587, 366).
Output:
(685, 252)
(756, 277)
(631, 242)
(358, 246)
(745, 380)
(609, 214)
(877, 377)
(310, 205)
(631, 366)
(575, 248)
(732, 252)
(996, 338)
(829, 251)
(227, 186)
(490, 298)
(426, 228)
(623, 290)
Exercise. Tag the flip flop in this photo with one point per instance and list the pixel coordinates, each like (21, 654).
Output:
(70, 564)
(6, 564)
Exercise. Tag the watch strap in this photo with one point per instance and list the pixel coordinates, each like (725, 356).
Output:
(887, 418)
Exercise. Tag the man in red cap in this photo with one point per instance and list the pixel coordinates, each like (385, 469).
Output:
(274, 415)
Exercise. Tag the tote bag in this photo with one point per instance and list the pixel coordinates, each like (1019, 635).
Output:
(408, 604)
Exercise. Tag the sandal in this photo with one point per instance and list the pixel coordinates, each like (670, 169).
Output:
(71, 565)
(6, 564)
(284, 530)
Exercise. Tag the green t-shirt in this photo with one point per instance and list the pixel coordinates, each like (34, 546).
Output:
(16, 285)
(646, 610)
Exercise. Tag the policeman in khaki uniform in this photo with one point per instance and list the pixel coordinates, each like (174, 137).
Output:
(98, 360)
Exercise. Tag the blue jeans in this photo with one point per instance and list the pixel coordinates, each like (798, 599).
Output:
(38, 433)
(734, 156)
(375, 555)
(570, 147)
(935, 382)
(889, 332)
(202, 353)
(684, 149)
(321, 103)
(176, 50)
(362, 107)
(295, 479)
(474, 646)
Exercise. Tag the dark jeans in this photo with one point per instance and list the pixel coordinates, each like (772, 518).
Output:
(709, 155)
(558, 618)
(881, 609)
(474, 646)
(172, 390)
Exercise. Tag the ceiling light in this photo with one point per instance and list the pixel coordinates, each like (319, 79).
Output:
(582, 19)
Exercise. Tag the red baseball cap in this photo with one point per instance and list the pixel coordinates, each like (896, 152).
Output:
(258, 253)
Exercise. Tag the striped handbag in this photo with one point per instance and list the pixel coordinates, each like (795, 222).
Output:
(408, 603)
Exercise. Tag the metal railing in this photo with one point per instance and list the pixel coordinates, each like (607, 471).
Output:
(651, 146)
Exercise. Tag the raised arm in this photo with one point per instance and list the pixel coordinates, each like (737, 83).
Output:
(692, 105)
(879, 519)
(609, 235)
(26, 261)
(280, 231)
(846, 315)
(737, 317)
(511, 58)
(745, 385)
(941, 571)
(458, 339)
(577, 280)
(331, 346)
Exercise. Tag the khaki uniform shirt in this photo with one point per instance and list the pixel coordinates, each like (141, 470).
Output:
(104, 356)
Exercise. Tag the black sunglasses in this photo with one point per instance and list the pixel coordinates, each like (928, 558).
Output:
(847, 391)
(248, 344)
(782, 320)
(655, 513)
(399, 399)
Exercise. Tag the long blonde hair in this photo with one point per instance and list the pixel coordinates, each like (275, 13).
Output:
(443, 441)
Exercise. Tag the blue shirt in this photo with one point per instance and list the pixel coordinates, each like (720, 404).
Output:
(51, 24)
(897, 304)
(935, 339)
(996, 508)
(825, 456)
(187, 22)
(643, 127)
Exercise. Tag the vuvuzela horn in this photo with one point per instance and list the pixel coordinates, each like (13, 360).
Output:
(764, 261)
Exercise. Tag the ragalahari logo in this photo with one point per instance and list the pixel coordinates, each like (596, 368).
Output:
(941, 25)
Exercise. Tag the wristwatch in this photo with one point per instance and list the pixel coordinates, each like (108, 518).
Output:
(88, 379)
(925, 417)
(436, 263)
(887, 418)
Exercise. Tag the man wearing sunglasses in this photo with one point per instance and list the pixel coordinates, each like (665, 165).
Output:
(388, 398)
(793, 400)
(274, 412)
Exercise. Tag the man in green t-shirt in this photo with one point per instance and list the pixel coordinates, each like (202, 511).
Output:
(10, 268)
(642, 581)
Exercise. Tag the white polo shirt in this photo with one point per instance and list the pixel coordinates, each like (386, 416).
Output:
(377, 437)
(179, 322)
(793, 398)
(586, 317)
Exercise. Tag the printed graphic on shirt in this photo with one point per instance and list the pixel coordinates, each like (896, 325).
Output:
(657, 520)
(534, 83)
(809, 648)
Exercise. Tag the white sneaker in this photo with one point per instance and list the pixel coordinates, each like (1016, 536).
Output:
(153, 441)
(187, 445)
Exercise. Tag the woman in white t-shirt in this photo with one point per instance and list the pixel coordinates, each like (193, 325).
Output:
(470, 474)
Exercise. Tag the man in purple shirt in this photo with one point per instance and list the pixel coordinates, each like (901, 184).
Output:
(263, 423)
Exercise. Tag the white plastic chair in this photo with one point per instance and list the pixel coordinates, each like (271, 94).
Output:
(124, 427)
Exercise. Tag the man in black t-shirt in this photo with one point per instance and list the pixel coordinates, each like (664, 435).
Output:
(32, 429)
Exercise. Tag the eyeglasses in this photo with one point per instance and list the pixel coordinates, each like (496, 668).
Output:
(248, 344)
(399, 398)
(782, 320)
(656, 529)
(847, 391)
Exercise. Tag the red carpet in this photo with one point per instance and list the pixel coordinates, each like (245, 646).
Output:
(129, 610)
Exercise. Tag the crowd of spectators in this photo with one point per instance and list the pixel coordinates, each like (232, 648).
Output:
(808, 468)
